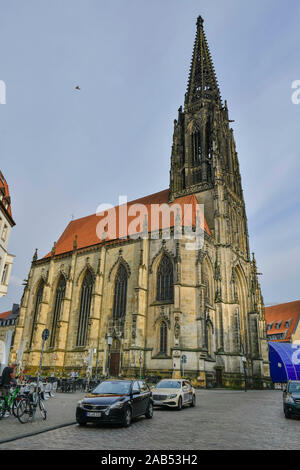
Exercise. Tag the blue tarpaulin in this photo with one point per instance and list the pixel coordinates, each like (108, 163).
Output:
(288, 355)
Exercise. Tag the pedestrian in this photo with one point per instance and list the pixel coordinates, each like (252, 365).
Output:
(21, 377)
(9, 375)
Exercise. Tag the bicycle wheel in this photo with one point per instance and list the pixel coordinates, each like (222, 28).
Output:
(24, 410)
(42, 409)
(2, 407)
(14, 407)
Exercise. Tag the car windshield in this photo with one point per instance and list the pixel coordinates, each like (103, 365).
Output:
(112, 388)
(169, 384)
(294, 387)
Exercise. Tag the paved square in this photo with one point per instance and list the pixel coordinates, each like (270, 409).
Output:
(222, 419)
(60, 410)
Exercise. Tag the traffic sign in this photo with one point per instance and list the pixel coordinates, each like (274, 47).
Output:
(45, 334)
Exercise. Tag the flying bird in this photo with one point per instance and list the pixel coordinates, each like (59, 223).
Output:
(77, 87)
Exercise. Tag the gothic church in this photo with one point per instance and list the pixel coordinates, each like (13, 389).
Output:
(155, 300)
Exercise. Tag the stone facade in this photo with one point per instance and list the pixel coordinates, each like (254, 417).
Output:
(6, 224)
(8, 322)
(215, 317)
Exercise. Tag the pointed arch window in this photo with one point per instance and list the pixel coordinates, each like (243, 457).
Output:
(85, 307)
(120, 293)
(59, 296)
(209, 338)
(165, 283)
(196, 148)
(163, 339)
(38, 299)
(183, 179)
(237, 330)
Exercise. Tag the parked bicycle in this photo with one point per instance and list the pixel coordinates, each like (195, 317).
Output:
(9, 400)
(29, 404)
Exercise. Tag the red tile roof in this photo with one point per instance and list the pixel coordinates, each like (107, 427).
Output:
(4, 315)
(282, 313)
(6, 197)
(85, 228)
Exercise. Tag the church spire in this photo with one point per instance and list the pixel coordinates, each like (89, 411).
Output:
(202, 81)
(203, 151)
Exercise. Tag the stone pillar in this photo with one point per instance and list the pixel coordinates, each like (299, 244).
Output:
(63, 321)
(94, 318)
(141, 293)
(42, 315)
(219, 316)
(19, 329)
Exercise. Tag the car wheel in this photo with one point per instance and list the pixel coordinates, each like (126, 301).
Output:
(193, 402)
(179, 406)
(127, 417)
(149, 413)
(287, 414)
(81, 423)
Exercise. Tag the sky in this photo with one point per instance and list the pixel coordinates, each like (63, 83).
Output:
(64, 151)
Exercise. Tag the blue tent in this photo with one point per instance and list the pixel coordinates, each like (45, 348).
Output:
(288, 355)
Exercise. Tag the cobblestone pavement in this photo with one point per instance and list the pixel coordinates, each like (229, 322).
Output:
(60, 409)
(222, 419)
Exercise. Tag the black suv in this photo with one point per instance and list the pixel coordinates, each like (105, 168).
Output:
(291, 399)
(115, 401)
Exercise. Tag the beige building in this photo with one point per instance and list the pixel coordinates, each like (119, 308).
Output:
(6, 224)
(155, 299)
(8, 322)
(283, 322)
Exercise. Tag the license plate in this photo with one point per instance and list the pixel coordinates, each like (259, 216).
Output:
(157, 402)
(93, 414)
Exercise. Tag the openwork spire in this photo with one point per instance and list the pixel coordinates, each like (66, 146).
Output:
(202, 78)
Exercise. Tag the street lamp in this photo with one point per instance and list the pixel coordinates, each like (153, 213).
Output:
(109, 343)
(244, 364)
(280, 367)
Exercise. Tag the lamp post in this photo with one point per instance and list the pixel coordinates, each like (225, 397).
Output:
(54, 358)
(244, 364)
(97, 362)
(109, 343)
(141, 360)
(280, 367)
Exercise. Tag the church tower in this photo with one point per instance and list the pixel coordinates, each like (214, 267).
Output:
(204, 162)
(204, 158)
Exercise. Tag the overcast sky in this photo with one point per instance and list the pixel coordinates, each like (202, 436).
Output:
(63, 151)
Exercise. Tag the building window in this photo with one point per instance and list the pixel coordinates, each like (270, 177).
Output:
(163, 338)
(209, 332)
(120, 293)
(59, 296)
(4, 274)
(4, 233)
(165, 286)
(38, 299)
(196, 148)
(276, 337)
(183, 179)
(84, 310)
